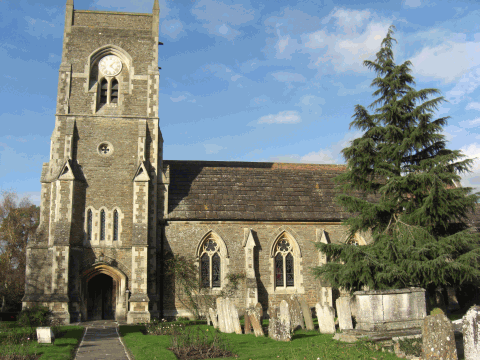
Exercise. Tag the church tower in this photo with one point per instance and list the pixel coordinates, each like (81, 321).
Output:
(94, 256)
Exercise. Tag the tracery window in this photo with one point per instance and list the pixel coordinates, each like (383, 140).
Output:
(102, 225)
(115, 225)
(210, 265)
(89, 225)
(284, 264)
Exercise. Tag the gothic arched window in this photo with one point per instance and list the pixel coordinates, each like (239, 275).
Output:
(284, 264)
(210, 265)
(89, 225)
(102, 225)
(115, 225)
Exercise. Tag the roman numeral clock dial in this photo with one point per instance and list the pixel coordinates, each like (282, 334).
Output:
(110, 65)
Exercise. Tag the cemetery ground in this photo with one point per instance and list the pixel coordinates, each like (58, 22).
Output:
(18, 343)
(303, 345)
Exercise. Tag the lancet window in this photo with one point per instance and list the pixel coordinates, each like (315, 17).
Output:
(102, 225)
(89, 225)
(115, 225)
(210, 264)
(284, 264)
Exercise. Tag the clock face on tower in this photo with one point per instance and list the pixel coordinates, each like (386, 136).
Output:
(110, 65)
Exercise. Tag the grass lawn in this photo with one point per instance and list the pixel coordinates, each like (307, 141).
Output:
(62, 349)
(304, 345)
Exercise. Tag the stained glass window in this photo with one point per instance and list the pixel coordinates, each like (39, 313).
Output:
(279, 270)
(284, 264)
(89, 225)
(205, 270)
(210, 264)
(216, 270)
(102, 225)
(115, 225)
(289, 269)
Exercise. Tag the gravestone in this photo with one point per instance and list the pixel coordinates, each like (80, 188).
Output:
(326, 319)
(213, 317)
(233, 313)
(296, 313)
(438, 338)
(227, 316)
(282, 330)
(255, 316)
(344, 313)
(45, 335)
(248, 324)
(221, 315)
(272, 322)
(471, 333)
(307, 313)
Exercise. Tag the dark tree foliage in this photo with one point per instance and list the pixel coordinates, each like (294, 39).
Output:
(18, 223)
(401, 185)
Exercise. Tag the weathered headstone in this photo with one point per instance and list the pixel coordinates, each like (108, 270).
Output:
(259, 310)
(234, 317)
(45, 335)
(248, 324)
(471, 333)
(272, 322)
(213, 317)
(438, 338)
(283, 327)
(307, 313)
(326, 319)
(227, 316)
(221, 315)
(255, 317)
(344, 313)
(296, 313)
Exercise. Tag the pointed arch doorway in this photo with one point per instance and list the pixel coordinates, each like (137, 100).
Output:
(104, 296)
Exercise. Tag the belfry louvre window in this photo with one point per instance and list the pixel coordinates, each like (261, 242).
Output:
(103, 91)
(89, 225)
(114, 93)
(102, 225)
(284, 264)
(115, 225)
(210, 265)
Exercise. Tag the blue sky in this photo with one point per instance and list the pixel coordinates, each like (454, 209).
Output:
(272, 81)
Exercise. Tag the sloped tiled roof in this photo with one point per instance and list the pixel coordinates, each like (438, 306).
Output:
(217, 190)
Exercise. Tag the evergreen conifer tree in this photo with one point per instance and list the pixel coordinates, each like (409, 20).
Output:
(402, 186)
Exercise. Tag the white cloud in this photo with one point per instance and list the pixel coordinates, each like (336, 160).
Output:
(467, 84)
(220, 18)
(412, 3)
(172, 28)
(284, 76)
(346, 38)
(319, 157)
(212, 148)
(447, 61)
(283, 117)
(470, 123)
(311, 104)
(359, 88)
(473, 106)
(472, 179)
(179, 98)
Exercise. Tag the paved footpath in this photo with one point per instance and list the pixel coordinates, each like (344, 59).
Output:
(101, 341)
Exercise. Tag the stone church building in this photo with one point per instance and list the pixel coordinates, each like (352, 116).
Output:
(112, 207)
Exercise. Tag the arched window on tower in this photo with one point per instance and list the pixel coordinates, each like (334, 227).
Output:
(102, 225)
(284, 264)
(210, 265)
(114, 92)
(89, 225)
(103, 91)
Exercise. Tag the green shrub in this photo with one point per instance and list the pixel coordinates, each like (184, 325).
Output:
(37, 315)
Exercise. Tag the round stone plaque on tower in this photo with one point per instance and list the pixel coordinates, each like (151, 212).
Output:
(110, 65)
